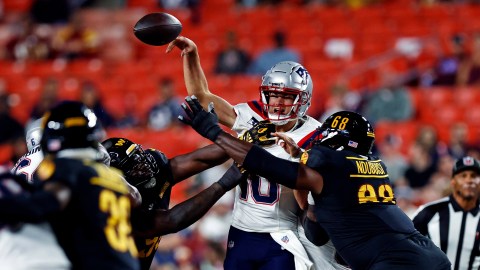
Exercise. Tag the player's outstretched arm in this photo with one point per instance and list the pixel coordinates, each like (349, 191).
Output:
(186, 213)
(196, 82)
(184, 166)
(252, 157)
(34, 207)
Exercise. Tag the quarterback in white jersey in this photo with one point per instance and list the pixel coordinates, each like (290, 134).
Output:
(265, 217)
(264, 206)
(29, 246)
(28, 163)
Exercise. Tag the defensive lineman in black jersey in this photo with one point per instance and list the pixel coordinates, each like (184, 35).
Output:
(354, 202)
(154, 175)
(86, 202)
(94, 229)
(357, 207)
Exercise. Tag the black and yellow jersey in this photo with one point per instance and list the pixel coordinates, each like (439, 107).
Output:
(148, 246)
(357, 205)
(94, 229)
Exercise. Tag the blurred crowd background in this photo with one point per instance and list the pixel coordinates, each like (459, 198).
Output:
(412, 67)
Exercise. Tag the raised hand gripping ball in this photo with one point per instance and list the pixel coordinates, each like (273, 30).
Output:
(157, 28)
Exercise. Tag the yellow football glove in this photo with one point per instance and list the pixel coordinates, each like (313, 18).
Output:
(260, 134)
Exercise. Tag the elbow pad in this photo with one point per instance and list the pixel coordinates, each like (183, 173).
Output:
(281, 171)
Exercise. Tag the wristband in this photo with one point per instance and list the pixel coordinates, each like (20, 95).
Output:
(274, 169)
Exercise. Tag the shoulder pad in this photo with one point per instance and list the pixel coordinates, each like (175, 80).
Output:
(314, 157)
(46, 169)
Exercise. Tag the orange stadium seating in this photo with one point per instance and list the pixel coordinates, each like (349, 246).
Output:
(129, 81)
(405, 130)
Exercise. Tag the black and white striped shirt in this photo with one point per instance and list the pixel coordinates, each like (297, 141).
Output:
(452, 229)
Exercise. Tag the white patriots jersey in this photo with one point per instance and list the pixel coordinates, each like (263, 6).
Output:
(32, 246)
(28, 163)
(263, 206)
(29, 246)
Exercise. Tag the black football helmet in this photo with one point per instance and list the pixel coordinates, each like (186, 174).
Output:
(138, 166)
(347, 130)
(70, 125)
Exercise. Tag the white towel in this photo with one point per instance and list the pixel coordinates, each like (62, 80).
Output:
(289, 241)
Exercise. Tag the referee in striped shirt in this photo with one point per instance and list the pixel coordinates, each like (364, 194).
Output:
(453, 222)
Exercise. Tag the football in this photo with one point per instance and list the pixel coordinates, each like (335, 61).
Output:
(157, 28)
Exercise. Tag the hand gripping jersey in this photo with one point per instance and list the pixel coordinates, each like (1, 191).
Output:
(148, 246)
(357, 206)
(94, 229)
(262, 206)
(28, 246)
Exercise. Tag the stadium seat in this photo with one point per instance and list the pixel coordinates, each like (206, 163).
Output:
(396, 11)
(368, 45)
(115, 105)
(471, 115)
(466, 96)
(436, 96)
(339, 29)
(371, 15)
(16, 5)
(45, 68)
(85, 68)
(445, 114)
(329, 15)
(406, 130)
(436, 13)
(69, 88)
(247, 86)
(6, 151)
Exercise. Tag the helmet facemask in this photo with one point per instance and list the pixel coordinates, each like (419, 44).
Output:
(137, 167)
(286, 112)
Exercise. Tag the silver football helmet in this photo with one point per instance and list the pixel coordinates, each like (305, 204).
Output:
(287, 77)
(33, 134)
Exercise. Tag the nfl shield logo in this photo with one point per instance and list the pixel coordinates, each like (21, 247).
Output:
(468, 161)
(285, 239)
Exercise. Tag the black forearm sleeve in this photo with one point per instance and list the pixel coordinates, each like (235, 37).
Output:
(315, 233)
(161, 222)
(28, 208)
(275, 169)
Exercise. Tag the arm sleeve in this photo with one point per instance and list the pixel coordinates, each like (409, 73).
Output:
(29, 208)
(153, 223)
(315, 233)
(261, 162)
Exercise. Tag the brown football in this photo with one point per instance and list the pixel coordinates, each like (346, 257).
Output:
(157, 28)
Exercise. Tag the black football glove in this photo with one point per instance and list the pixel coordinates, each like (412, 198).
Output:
(203, 122)
(232, 177)
(260, 134)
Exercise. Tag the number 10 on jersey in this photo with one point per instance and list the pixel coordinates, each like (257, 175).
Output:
(261, 190)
